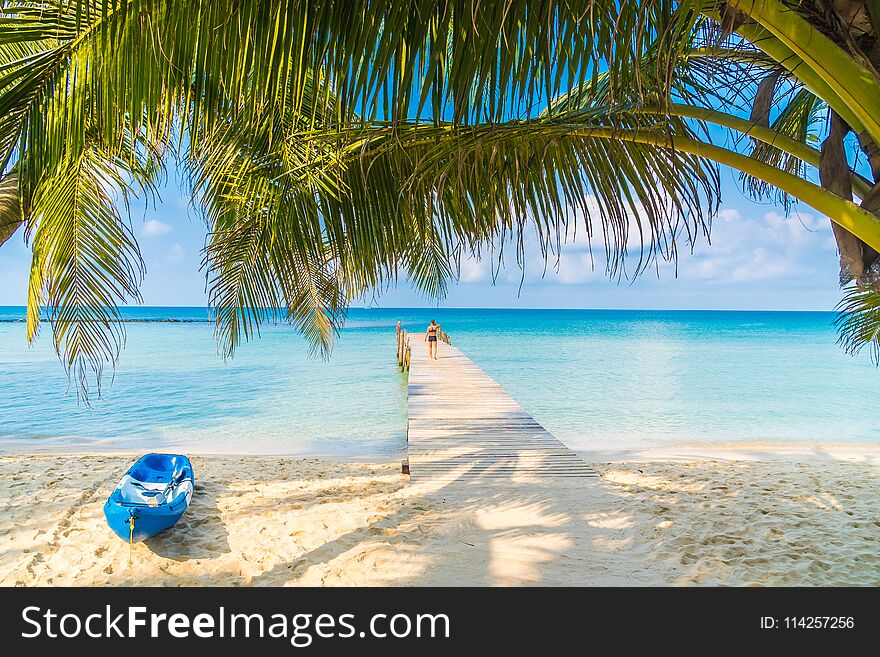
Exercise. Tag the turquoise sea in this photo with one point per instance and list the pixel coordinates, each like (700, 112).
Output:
(598, 379)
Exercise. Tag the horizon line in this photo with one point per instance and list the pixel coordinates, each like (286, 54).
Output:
(521, 308)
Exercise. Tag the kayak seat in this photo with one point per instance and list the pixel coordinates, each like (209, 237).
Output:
(132, 491)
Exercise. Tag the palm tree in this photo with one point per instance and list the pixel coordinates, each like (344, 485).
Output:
(335, 146)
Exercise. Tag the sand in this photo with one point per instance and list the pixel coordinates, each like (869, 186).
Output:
(735, 518)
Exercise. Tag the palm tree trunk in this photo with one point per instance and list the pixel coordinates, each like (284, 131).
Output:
(763, 102)
(834, 174)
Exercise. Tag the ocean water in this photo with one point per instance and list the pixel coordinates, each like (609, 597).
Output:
(599, 380)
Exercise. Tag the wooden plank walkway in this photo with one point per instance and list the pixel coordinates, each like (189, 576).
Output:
(464, 427)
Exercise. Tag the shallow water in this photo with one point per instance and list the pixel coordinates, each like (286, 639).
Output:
(599, 380)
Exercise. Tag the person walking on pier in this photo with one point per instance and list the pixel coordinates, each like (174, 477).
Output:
(431, 339)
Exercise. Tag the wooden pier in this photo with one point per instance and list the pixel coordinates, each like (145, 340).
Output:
(464, 427)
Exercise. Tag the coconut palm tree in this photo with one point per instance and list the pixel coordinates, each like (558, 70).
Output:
(335, 146)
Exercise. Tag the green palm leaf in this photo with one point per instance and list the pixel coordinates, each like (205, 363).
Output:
(547, 175)
(858, 321)
(86, 261)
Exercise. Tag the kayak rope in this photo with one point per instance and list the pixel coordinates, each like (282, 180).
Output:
(130, 540)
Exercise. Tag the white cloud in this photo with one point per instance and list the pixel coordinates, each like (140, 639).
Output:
(577, 268)
(154, 228)
(176, 253)
(773, 246)
(473, 271)
(729, 214)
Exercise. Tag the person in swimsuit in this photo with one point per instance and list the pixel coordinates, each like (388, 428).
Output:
(431, 338)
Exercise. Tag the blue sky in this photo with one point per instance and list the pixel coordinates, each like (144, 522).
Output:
(758, 259)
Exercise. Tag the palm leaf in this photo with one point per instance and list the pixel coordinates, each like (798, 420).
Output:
(86, 261)
(858, 321)
(546, 174)
(254, 277)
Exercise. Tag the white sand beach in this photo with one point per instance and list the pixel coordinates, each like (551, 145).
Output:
(745, 516)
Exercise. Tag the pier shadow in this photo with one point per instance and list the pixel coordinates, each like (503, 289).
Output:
(200, 533)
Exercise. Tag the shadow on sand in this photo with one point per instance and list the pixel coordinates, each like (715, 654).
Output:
(485, 530)
(200, 533)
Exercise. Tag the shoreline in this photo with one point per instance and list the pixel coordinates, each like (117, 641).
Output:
(679, 520)
(744, 451)
(213, 454)
(738, 451)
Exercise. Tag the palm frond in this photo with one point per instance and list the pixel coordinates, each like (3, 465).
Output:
(548, 175)
(858, 321)
(465, 61)
(726, 72)
(86, 261)
(430, 264)
(255, 276)
(266, 258)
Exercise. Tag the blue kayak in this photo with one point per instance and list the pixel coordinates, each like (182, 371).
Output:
(153, 495)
